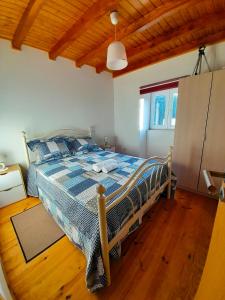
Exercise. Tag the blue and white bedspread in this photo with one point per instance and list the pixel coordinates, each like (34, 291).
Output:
(67, 188)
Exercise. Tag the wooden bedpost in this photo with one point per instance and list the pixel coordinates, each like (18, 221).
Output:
(103, 231)
(25, 148)
(169, 172)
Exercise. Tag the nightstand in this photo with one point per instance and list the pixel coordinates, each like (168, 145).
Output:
(111, 148)
(12, 187)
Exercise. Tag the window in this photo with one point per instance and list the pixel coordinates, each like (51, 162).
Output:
(163, 109)
(160, 104)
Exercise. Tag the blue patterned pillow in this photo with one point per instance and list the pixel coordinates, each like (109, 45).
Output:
(33, 144)
(70, 142)
(85, 145)
(63, 148)
(63, 144)
(49, 149)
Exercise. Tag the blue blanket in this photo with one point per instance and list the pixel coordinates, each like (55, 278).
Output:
(67, 188)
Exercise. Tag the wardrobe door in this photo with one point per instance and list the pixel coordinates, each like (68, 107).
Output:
(214, 147)
(193, 100)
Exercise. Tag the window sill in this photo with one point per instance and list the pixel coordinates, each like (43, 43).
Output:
(166, 129)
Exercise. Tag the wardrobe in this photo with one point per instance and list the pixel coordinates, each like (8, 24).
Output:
(199, 135)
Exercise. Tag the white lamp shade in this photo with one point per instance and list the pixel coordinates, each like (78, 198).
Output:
(116, 56)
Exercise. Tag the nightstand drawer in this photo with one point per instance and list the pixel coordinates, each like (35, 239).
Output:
(10, 180)
(12, 195)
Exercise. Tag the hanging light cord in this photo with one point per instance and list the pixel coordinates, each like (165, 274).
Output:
(115, 32)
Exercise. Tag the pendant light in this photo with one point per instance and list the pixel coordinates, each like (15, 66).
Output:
(116, 52)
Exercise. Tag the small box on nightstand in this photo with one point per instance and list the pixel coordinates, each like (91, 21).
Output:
(12, 187)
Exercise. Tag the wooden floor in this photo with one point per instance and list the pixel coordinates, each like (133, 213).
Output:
(163, 259)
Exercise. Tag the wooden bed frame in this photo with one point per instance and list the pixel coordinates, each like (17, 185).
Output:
(124, 191)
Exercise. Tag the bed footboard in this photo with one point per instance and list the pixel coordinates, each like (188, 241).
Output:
(103, 231)
(153, 192)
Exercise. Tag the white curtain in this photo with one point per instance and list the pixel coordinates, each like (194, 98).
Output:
(144, 121)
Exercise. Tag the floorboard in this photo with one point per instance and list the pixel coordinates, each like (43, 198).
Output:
(163, 259)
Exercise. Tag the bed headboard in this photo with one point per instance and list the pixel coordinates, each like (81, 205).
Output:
(76, 132)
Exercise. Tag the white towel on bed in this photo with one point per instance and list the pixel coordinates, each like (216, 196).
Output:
(108, 165)
(97, 167)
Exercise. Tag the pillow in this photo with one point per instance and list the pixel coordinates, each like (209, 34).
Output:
(49, 149)
(63, 148)
(70, 141)
(64, 143)
(33, 144)
(85, 145)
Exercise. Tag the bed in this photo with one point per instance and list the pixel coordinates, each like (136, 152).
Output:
(97, 210)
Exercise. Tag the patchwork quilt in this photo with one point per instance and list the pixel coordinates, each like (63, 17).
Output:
(67, 188)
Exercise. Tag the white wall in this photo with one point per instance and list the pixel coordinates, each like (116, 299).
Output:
(39, 95)
(126, 97)
(159, 141)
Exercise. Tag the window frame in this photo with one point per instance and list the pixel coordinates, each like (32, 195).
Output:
(168, 109)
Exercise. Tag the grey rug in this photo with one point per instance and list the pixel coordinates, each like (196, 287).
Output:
(36, 231)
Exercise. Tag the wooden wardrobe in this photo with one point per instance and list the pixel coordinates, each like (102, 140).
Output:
(199, 135)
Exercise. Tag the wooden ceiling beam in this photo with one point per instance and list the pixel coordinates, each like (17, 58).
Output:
(91, 16)
(179, 32)
(141, 24)
(190, 46)
(26, 22)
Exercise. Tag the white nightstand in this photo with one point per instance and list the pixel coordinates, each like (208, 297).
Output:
(12, 187)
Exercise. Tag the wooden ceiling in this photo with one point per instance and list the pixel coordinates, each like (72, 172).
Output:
(80, 30)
